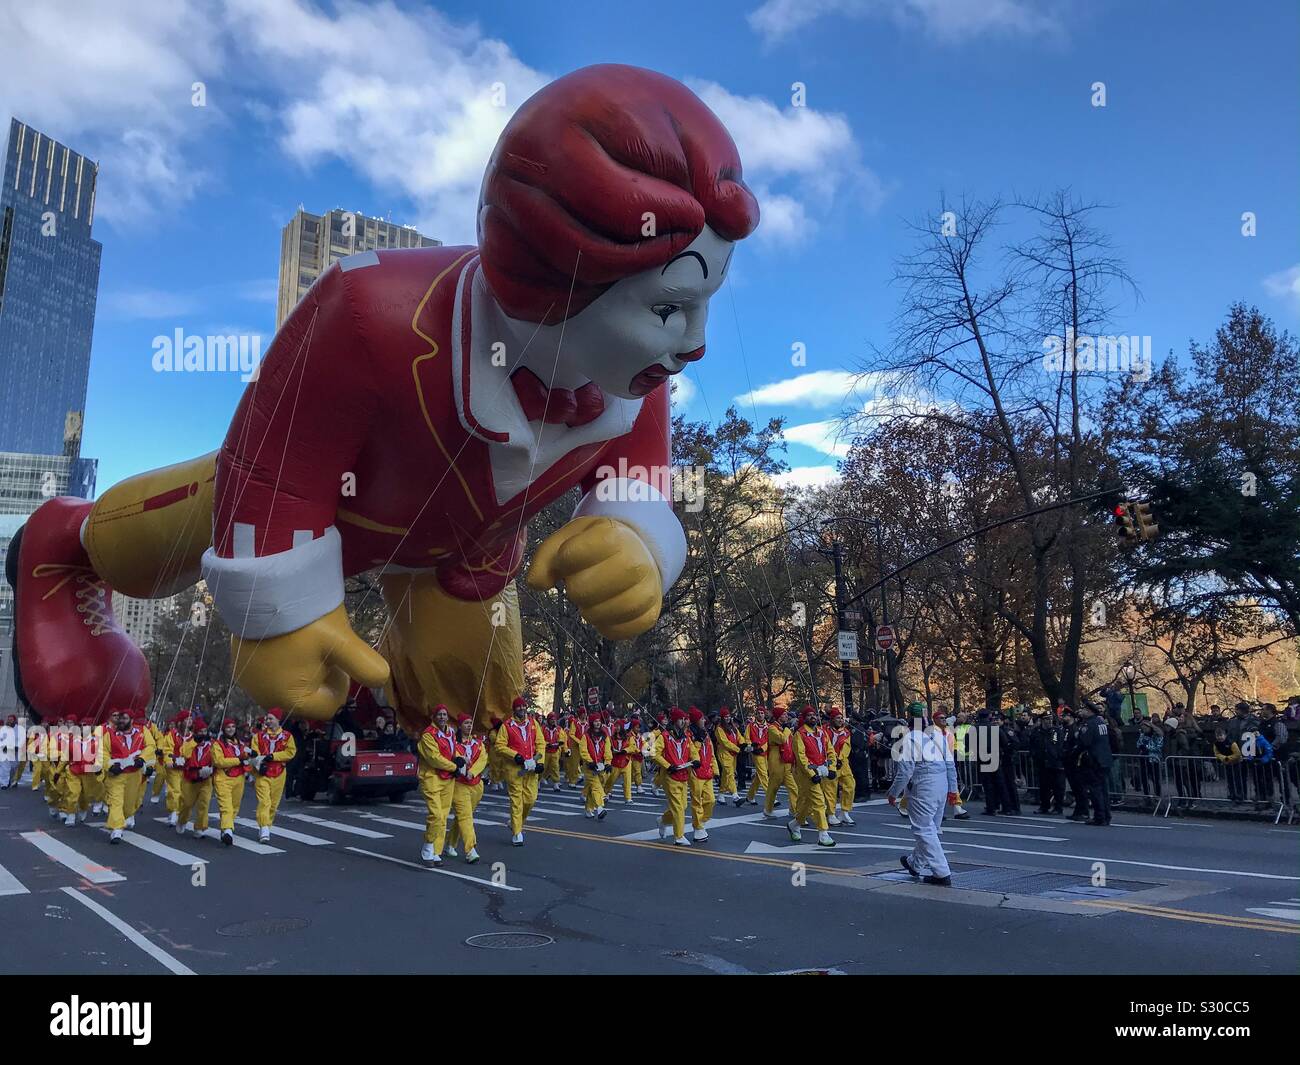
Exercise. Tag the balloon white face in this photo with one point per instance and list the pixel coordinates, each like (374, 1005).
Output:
(641, 330)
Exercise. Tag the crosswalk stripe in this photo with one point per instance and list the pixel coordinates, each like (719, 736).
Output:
(287, 833)
(152, 949)
(77, 862)
(351, 830)
(243, 844)
(161, 850)
(10, 884)
(720, 822)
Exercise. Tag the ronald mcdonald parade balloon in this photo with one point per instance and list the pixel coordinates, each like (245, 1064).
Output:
(456, 391)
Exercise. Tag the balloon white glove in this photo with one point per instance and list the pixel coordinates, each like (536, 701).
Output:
(205, 772)
(530, 764)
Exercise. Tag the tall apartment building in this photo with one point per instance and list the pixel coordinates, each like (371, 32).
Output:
(311, 242)
(49, 281)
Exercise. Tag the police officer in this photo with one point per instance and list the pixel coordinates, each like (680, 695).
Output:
(1070, 754)
(989, 752)
(1095, 760)
(1047, 745)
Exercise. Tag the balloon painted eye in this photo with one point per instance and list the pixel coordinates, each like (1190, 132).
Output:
(665, 311)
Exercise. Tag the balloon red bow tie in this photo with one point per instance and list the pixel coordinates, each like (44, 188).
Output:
(556, 406)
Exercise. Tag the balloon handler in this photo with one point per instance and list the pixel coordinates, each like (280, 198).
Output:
(412, 414)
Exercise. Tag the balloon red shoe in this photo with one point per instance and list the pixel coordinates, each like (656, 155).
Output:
(70, 654)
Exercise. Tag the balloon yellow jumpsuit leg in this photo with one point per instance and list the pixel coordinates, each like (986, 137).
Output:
(776, 769)
(758, 781)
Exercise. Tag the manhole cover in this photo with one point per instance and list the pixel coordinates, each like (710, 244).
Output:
(509, 940)
(266, 926)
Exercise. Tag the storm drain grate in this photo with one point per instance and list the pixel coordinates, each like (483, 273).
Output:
(1061, 886)
(267, 926)
(509, 940)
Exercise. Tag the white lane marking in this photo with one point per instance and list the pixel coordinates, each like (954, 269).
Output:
(756, 847)
(1048, 821)
(287, 833)
(161, 850)
(10, 884)
(77, 862)
(720, 822)
(157, 953)
(243, 844)
(435, 869)
(418, 826)
(1286, 913)
(351, 830)
(1130, 861)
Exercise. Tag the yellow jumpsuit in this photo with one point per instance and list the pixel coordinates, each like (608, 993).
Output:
(195, 795)
(520, 783)
(172, 743)
(138, 785)
(227, 757)
(636, 748)
(777, 770)
(846, 784)
(756, 737)
(554, 737)
(593, 791)
(622, 744)
(35, 755)
(159, 777)
(438, 792)
(573, 762)
(671, 751)
(467, 791)
(728, 749)
(702, 787)
(661, 774)
(119, 788)
(269, 787)
(811, 796)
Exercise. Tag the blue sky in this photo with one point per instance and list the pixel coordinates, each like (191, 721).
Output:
(380, 108)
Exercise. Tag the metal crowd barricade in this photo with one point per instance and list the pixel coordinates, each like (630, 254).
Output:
(1139, 780)
(1290, 788)
(1197, 779)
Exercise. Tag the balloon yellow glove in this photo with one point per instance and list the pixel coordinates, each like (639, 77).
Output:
(307, 671)
(608, 572)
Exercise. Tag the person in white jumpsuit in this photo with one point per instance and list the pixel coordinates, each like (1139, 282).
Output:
(927, 773)
(9, 740)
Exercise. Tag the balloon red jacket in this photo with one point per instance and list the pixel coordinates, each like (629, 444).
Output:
(379, 431)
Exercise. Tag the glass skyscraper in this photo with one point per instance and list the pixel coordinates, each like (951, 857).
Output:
(49, 278)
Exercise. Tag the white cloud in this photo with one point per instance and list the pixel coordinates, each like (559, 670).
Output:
(817, 388)
(1285, 285)
(132, 304)
(829, 437)
(401, 94)
(947, 21)
(807, 477)
(793, 158)
(115, 85)
(683, 392)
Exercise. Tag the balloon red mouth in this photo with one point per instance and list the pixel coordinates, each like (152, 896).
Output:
(654, 375)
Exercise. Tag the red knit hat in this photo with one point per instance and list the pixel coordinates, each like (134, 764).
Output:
(806, 715)
(229, 721)
(697, 715)
(677, 714)
(199, 723)
(724, 713)
(276, 712)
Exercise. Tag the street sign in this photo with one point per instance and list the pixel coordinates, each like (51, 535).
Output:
(884, 637)
(853, 617)
(848, 646)
(593, 696)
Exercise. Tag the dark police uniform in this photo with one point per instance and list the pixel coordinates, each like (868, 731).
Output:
(1095, 760)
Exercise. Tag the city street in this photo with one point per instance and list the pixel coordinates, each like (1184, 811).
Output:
(341, 890)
